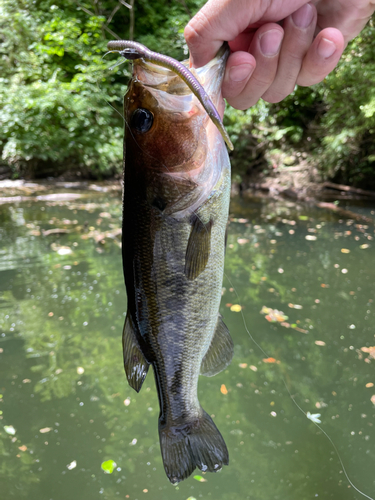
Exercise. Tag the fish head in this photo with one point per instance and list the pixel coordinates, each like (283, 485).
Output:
(172, 148)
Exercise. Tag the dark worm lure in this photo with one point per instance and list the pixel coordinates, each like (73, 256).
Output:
(134, 50)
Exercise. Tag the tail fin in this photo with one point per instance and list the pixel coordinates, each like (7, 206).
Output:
(196, 443)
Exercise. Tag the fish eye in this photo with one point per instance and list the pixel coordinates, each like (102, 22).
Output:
(142, 120)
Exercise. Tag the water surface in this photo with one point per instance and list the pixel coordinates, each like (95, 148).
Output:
(65, 404)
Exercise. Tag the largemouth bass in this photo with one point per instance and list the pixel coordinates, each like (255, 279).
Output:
(175, 211)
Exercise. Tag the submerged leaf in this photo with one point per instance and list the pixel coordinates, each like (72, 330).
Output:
(200, 479)
(223, 389)
(9, 429)
(270, 360)
(108, 466)
(45, 429)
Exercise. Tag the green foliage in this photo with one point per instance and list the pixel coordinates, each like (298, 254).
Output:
(56, 93)
(335, 120)
(55, 86)
(349, 123)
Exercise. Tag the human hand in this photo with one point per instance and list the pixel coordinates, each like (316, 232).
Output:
(267, 59)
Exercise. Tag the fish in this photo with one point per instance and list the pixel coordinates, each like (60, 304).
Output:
(175, 212)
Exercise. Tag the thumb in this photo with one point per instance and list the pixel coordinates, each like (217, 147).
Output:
(216, 22)
(223, 20)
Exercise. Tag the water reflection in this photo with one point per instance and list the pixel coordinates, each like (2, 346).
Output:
(62, 306)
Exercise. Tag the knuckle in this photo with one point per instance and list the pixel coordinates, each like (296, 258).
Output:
(276, 93)
(197, 29)
(274, 98)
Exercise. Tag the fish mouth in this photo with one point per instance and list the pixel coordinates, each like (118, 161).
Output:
(209, 76)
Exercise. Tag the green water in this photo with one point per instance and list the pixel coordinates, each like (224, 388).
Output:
(66, 407)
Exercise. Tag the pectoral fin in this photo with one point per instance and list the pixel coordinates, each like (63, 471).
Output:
(198, 248)
(136, 366)
(220, 352)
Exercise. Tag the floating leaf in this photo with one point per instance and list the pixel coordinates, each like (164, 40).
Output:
(9, 429)
(223, 389)
(64, 251)
(72, 465)
(310, 237)
(109, 466)
(345, 250)
(242, 365)
(314, 417)
(80, 370)
(320, 342)
(236, 308)
(301, 330)
(370, 384)
(200, 479)
(371, 351)
(373, 399)
(365, 245)
(22, 448)
(45, 429)
(273, 315)
(270, 360)
(254, 368)
(303, 217)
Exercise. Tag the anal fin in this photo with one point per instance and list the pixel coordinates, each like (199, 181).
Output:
(220, 352)
(198, 248)
(136, 366)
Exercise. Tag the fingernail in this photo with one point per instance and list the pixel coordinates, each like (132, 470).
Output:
(326, 48)
(240, 72)
(302, 17)
(270, 42)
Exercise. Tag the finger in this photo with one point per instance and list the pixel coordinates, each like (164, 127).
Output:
(265, 48)
(224, 20)
(240, 67)
(298, 35)
(322, 57)
(209, 28)
(348, 17)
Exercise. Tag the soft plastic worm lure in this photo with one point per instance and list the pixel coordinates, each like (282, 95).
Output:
(134, 50)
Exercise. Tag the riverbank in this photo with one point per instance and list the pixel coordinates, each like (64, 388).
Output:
(300, 183)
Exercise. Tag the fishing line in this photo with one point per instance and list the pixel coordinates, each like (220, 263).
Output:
(97, 84)
(295, 402)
